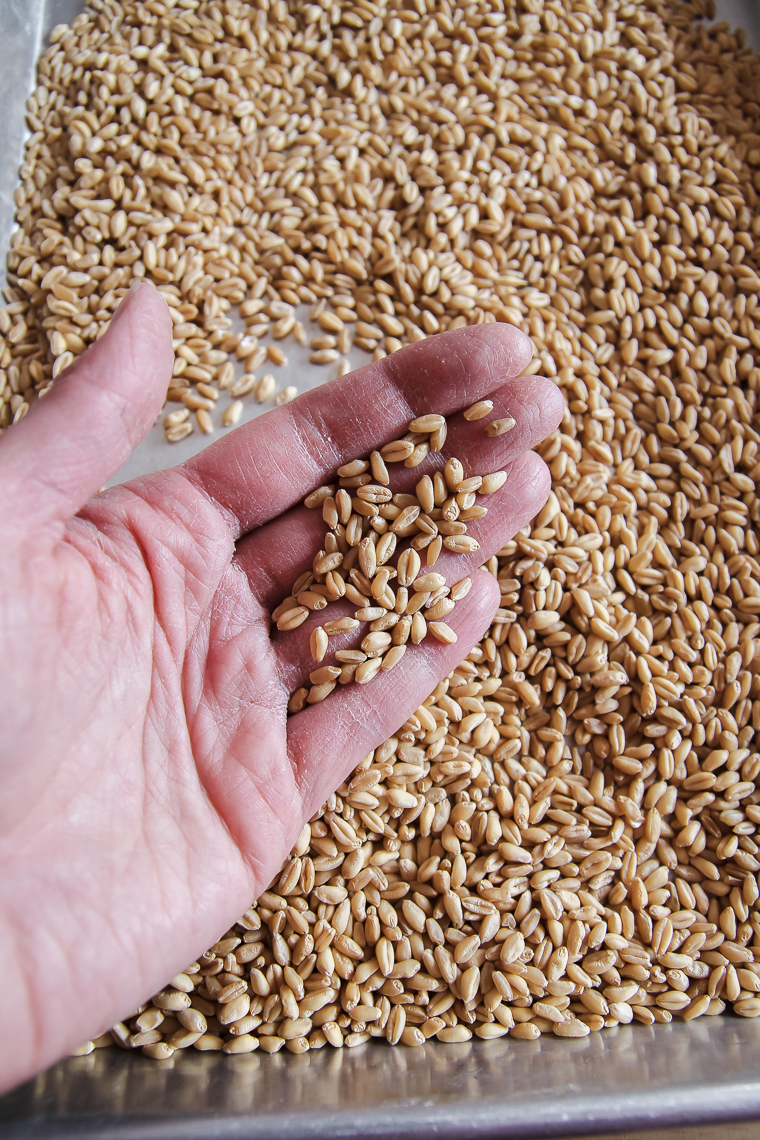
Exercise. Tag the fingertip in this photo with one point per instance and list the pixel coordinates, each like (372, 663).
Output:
(485, 594)
(550, 400)
(534, 403)
(143, 315)
(135, 356)
(469, 360)
(500, 349)
(97, 411)
(529, 484)
(518, 344)
(532, 478)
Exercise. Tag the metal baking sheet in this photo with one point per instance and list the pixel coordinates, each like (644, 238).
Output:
(632, 1077)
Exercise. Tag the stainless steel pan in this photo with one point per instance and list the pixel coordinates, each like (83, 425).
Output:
(628, 1078)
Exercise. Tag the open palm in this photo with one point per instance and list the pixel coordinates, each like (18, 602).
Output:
(150, 783)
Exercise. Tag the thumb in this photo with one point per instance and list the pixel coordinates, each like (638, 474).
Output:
(97, 411)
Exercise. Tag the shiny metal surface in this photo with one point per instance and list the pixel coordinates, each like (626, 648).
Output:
(21, 27)
(627, 1078)
(706, 1072)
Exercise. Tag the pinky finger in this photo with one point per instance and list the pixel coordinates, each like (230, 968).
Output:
(326, 741)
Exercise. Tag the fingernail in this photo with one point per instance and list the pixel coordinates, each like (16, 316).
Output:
(124, 302)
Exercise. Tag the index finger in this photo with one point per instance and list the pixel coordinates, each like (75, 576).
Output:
(266, 466)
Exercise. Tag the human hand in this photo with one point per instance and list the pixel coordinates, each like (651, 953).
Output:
(150, 783)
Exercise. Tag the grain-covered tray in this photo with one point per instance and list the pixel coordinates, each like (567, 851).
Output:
(629, 1077)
